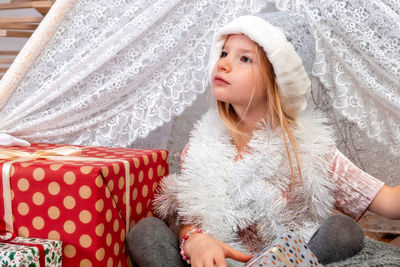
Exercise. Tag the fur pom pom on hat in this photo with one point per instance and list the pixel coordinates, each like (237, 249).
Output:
(291, 77)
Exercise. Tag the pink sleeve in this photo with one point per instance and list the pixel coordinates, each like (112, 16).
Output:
(355, 188)
(183, 155)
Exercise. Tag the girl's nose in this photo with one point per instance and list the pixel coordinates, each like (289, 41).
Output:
(223, 64)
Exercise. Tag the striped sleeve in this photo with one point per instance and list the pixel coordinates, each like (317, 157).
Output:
(355, 189)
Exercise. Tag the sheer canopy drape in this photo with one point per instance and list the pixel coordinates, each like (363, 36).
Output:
(122, 73)
(115, 70)
(358, 60)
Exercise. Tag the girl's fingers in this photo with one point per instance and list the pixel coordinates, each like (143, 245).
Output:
(236, 255)
(220, 262)
(195, 264)
(209, 263)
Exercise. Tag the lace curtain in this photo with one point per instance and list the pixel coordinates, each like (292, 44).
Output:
(118, 73)
(356, 77)
(358, 61)
(113, 71)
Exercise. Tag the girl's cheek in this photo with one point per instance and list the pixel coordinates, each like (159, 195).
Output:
(214, 70)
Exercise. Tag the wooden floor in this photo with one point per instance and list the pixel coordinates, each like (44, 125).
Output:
(387, 238)
(393, 239)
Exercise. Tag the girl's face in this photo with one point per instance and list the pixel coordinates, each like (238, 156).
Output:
(236, 76)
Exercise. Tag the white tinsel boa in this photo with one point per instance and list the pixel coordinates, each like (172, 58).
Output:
(223, 196)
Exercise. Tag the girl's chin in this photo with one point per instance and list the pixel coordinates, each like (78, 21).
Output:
(219, 97)
(219, 94)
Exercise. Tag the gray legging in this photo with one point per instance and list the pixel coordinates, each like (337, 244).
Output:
(152, 243)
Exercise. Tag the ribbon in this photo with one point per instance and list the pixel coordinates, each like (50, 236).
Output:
(8, 240)
(60, 154)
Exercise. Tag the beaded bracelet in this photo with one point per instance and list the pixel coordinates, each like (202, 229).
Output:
(185, 237)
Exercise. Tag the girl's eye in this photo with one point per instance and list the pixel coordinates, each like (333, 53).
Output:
(224, 54)
(245, 59)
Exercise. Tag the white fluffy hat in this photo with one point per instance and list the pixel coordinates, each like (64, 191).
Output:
(291, 77)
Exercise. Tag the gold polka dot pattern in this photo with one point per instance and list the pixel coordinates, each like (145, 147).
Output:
(53, 212)
(54, 188)
(136, 162)
(38, 174)
(85, 263)
(23, 231)
(23, 184)
(69, 251)
(69, 202)
(100, 229)
(54, 235)
(55, 167)
(38, 198)
(85, 192)
(38, 223)
(83, 203)
(23, 208)
(85, 216)
(85, 241)
(69, 177)
(100, 254)
(69, 227)
(86, 169)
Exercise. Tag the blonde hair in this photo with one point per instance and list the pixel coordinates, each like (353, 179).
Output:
(275, 116)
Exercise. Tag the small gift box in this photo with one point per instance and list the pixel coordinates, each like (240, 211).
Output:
(286, 251)
(21, 251)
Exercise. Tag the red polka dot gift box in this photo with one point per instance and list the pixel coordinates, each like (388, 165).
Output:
(87, 197)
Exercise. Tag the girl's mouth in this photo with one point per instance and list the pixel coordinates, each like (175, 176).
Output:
(218, 80)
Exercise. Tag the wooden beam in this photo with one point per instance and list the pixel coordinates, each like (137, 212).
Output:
(18, 26)
(6, 60)
(21, 20)
(3, 70)
(43, 10)
(42, 7)
(8, 53)
(13, 1)
(18, 34)
(26, 4)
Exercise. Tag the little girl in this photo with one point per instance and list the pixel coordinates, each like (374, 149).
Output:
(258, 164)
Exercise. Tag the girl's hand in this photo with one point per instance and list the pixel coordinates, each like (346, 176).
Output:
(206, 251)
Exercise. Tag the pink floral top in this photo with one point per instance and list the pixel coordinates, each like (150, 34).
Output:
(355, 189)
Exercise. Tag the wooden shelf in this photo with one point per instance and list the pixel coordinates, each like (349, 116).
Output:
(21, 19)
(18, 34)
(3, 70)
(6, 60)
(18, 26)
(8, 53)
(15, 1)
(41, 6)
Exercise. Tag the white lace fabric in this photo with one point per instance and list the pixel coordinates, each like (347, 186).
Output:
(122, 73)
(116, 70)
(357, 60)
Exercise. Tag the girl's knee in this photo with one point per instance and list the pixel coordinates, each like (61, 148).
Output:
(341, 227)
(149, 223)
(146, 228)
